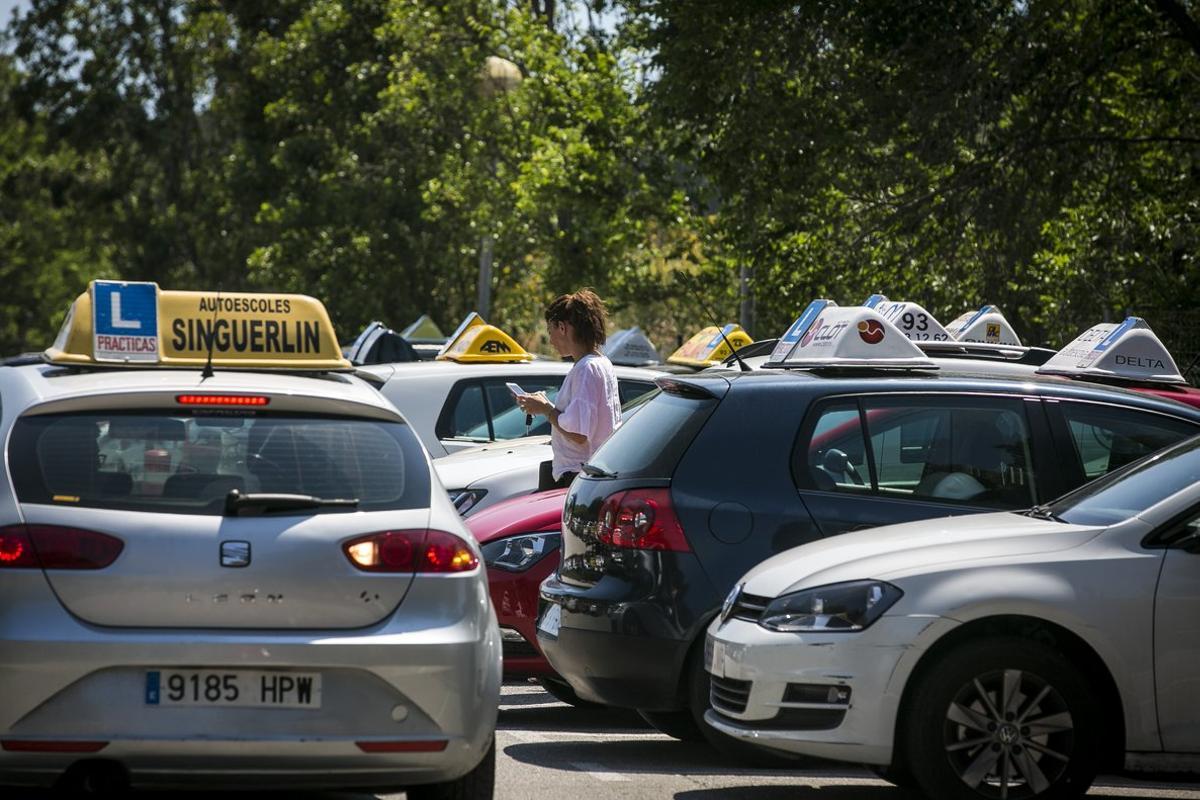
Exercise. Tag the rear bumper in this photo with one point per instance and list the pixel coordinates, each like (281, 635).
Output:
(414, 679)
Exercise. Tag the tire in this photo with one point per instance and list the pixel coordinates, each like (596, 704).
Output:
(562, 691)
(478, 784)
(965, 744)
(676, 724)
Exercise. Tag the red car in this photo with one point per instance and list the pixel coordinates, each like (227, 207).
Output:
(520, 539)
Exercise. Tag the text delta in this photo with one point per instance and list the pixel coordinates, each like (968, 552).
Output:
(246, 336)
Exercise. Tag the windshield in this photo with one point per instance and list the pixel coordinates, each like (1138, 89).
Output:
(1130, 491)
(180, 462)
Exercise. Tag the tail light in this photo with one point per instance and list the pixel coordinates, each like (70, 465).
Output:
(57, 547)
(641, 519)
(423, 551)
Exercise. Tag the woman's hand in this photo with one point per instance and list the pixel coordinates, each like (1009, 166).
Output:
(536, 403)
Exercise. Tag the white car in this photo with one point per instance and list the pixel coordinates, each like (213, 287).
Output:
(483, 476)
(462, 399)
(1000, 655)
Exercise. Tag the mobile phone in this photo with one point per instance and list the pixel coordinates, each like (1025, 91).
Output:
(516, 390)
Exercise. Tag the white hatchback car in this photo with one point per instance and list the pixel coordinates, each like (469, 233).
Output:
(230, 566)
(1000, 655)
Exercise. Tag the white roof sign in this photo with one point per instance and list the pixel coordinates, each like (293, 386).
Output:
(855, 336)
(631, 348)
(797, 329)
(913, 321)
(985, 326)
(1128, 350)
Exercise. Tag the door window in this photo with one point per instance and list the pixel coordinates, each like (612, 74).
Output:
(1107, 437)
(972, 451)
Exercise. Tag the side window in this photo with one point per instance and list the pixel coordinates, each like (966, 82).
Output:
(1106, 437)
(832, 452)
(961, 450)
(629, 390)
(508, 421)
(469, 415)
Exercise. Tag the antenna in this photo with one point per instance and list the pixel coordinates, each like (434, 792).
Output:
(709, 312)
(207, 372)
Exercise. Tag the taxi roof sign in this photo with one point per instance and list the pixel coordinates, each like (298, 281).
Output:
(1127, 350)
(476, 342)
(124, 323)
(423, 330)
(792, 335)
(985, 326)
(855, 336)
(711, 346)
(631, 348)
(912, 320)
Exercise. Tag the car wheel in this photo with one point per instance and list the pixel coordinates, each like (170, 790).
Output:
(561, 690)
(676, 724)
(478, 784)
(1003, 718)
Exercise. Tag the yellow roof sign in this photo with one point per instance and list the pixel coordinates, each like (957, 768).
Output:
(476, 342)
(708, 347)
(137, 324)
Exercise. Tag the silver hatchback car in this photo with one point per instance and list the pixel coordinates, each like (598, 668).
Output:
(234, 577)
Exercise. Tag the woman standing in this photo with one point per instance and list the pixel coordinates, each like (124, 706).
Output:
(587, 407)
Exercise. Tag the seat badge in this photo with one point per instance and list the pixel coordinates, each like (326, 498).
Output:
(235, 554)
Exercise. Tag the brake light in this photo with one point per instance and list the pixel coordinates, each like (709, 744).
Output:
(423, 551)
(57, 547)
(15, 548)
(403, 746)
(222, 400)
(50, 746)
(642, 519)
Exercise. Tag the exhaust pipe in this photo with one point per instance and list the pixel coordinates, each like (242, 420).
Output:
(94, 777)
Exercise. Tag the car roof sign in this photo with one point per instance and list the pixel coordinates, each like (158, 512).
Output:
(125, 323)
(631, 348)
(1127, 350)
(423, 330)
(788, 341)
(476, 342)
(985, 326)
(709, 348)
(855, 336)
(912, 320)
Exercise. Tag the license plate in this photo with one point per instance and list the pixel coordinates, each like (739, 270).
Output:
(551, 620)
(241, 688)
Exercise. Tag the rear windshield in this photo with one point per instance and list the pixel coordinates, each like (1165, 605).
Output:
(650, 443)
(179, 462)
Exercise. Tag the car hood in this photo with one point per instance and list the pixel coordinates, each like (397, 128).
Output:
(462, 469)
(530, 513)
(895, 551)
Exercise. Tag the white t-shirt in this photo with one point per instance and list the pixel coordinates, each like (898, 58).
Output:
(589, 404)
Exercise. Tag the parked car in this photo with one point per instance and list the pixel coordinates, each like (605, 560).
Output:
(225, 560)
(856, 428)
(999, 655)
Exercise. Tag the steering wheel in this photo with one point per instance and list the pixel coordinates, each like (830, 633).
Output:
(835, 462)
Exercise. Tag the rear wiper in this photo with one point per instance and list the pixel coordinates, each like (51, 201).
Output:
(1043, 512)
(238, 504)
(592, 471)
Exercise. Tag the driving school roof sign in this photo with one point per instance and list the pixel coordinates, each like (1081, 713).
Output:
(135, 324)
(711, 346)
(1128, 350)
(855, 336)
(476, 342)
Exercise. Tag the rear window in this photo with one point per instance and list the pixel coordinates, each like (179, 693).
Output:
(650, 443)
(187, 463)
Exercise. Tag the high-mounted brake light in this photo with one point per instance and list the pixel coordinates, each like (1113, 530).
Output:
(222, 400)
(642, 519)
(423, 551)
(57, 547)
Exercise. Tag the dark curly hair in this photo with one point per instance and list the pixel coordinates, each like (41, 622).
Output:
(585, 311)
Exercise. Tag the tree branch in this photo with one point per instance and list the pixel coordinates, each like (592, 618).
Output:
(1177, 15)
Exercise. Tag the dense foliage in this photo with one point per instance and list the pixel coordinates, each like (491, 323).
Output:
(1041, 155)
